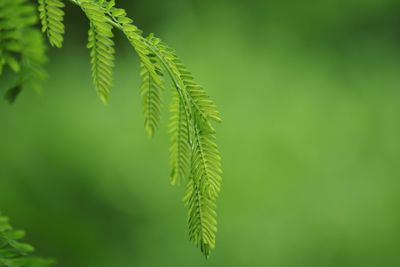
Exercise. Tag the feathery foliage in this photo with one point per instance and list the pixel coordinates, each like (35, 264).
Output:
(52, 16)
(194, 155)
(203, 187)
(21, 46)
(205, 162)
(151, 92)
(102, 48)
(180, 150)
(13, 253)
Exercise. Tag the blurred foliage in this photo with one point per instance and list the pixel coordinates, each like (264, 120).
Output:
(22, 50)
(13, 253)
(310, 100)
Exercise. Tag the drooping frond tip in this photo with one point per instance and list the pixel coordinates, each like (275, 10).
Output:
(194, 153)
(203, 188)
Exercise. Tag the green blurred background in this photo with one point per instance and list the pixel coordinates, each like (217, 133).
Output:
(309, 93)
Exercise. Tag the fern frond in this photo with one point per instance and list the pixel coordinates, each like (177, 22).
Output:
(194, 155)
(180, 150)
(14, 253)
(151, 92)
(206, 160)
(52, 16)
(151, 98)
(205, 163)
(202, 217)
(204, 186)
(102, 48)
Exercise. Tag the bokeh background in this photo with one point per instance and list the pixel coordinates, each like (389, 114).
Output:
(309, 91)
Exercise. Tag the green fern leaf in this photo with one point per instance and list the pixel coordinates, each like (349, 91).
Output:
(102, 49)
(151, 98)
(180, 150)
(151, 92)
(151, 71)
(194, 155)
(204, 186)
(205, 161)
(202, 217)
(52, 15)
(14, 253)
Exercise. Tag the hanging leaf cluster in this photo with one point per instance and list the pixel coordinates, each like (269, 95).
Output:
(194, 156)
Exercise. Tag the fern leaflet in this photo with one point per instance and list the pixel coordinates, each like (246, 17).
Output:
(180, 150)
(202, 218)
(151, 92)
(52, 16)
(102, 49)
(13, 253)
